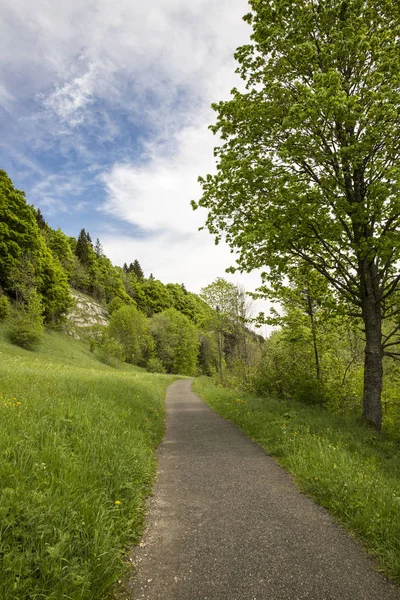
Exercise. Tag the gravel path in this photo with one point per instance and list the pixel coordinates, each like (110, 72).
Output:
(227, 523)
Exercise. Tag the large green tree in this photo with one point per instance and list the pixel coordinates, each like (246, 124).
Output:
(27, 266)
(176, 341)
(309, 162)
(226, 319)
(131, 329)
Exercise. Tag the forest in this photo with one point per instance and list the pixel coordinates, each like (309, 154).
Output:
(161, 327)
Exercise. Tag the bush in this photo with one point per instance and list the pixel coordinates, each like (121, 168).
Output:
(115, 304)
(25, 324)
(155, 365)
(112, 352)
(4, 307)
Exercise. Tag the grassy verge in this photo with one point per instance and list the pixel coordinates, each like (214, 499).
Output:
(342, 464)
(76, 446)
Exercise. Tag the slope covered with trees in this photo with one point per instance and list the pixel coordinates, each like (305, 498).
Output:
(161, 327)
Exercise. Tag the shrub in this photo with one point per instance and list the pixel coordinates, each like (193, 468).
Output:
(115, 304)
(112, 352)
(155, 365)
(4, 307)
(25, 323)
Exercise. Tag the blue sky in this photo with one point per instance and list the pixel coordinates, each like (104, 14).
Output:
(104, 109)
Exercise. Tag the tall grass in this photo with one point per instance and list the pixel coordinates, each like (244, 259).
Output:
(340, 462)
(77, 461)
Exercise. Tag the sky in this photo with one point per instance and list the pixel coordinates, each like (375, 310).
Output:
(104, 114)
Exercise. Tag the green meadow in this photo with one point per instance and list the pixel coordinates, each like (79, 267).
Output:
(77, 462)
(340, 462)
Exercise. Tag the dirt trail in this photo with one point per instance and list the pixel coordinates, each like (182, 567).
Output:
(227, 523)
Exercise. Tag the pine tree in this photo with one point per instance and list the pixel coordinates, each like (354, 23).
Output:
(137, 269)
(98, 248)
(82, 247)
(40, 219)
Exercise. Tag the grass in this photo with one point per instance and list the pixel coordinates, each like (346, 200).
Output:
(338, 461)
(77, 462)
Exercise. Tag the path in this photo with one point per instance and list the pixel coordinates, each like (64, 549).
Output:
(227, 523)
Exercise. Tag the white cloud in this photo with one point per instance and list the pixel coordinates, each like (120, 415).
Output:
(69, 101)
(139, 56)
(160, 64)
(156, 195)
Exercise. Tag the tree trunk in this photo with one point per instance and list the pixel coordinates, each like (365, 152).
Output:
(220, 354)
(314, 335)
(373, 368)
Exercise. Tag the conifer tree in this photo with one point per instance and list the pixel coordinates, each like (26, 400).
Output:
(82, 247)
(98, 248)
(137, 269)
(40, 219)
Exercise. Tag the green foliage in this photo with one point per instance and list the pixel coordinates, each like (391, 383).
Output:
(25, 323)
(77, 448)
(40, 220)
(4, 306)
(341, 463)
(287, 367)
(19, 233)
(54, 289)
(176, 342)
(309, 163)
(98, 248)
(80, 276)
(131, 330)
(208, 354)
(155, 365)
(230, 311)
(60, 247)
(115, 304)
(26, 265)
(136, 269)
(152, 296)
(84, 248)
(112, 351)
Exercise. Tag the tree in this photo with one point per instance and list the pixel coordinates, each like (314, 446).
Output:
(83, 249)
(25, 323)
(152, 296)
(19, 232)
(98, 248)
(137, 269)
(309, 163)
(131, 330)
(60, 247)
(307, 292)
(40, 220)
(222, 297)
(27, 266)
(176, 342)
